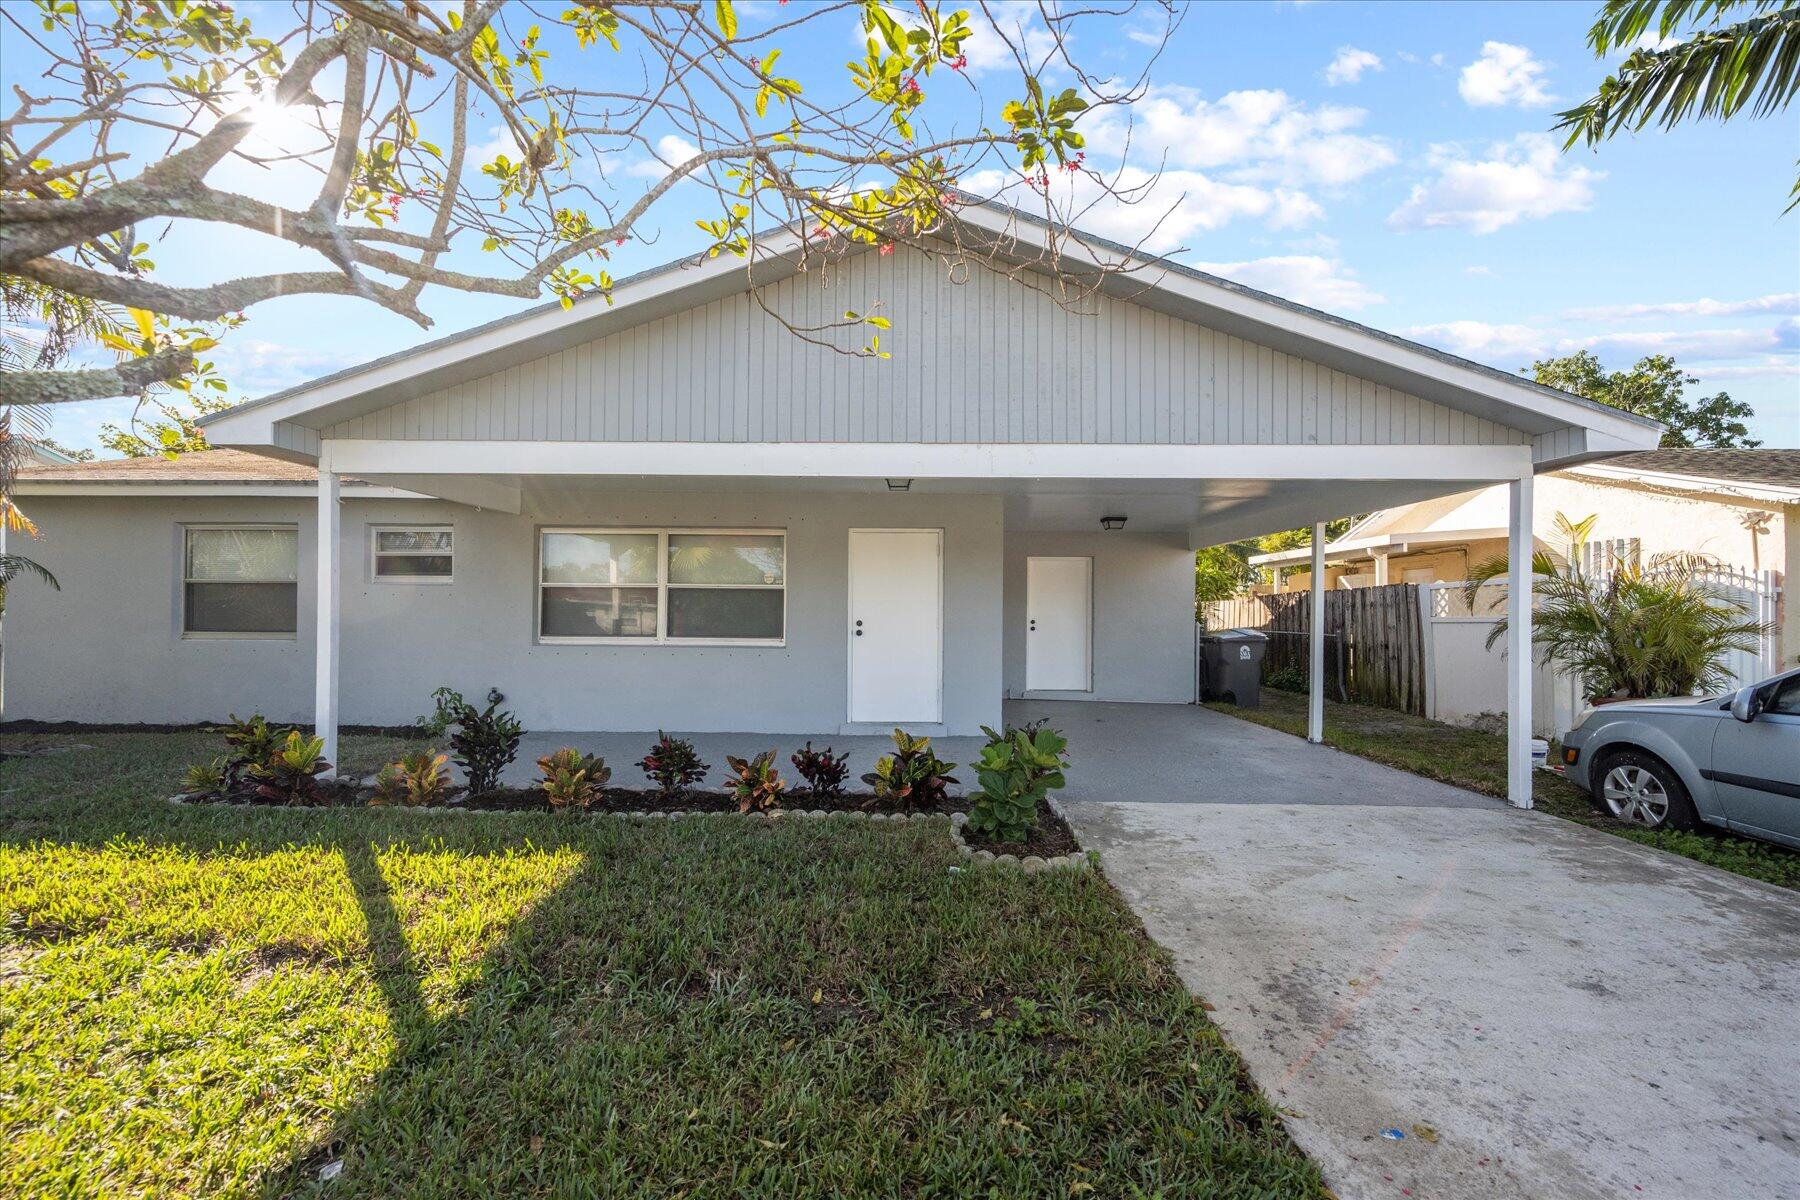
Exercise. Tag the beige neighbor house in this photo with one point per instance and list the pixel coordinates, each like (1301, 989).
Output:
(670, 512)
(1739, 507)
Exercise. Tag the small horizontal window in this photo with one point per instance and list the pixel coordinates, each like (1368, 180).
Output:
(413, 555)
(240, 580)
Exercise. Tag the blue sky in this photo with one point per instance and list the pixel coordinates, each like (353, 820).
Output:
(1391, 163)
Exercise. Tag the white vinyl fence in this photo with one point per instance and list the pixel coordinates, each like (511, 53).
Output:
(1465, 679)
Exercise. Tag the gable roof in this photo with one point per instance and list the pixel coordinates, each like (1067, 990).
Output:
(1574, 428)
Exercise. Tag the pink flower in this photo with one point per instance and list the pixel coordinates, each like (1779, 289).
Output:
(912, 85)
(961, 61)
(887, 248)
(618, 241)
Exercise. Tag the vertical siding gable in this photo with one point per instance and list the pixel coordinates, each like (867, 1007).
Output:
(983, 359)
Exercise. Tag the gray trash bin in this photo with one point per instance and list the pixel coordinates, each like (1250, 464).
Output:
(1231, 666)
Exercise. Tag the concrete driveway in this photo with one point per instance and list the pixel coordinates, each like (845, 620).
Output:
(1544, 1010)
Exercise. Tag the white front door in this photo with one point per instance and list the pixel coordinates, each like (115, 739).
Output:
(1059, 635)
(896, 625)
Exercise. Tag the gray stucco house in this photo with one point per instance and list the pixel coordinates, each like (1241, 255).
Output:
(672, 512)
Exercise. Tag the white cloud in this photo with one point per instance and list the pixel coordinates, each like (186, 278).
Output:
(1504, 74)
(499, 141)
(1478, 269)
(1349, 65)
(1304, 278)
(256, 367)
(1168, 210)
(671, 151)
(1261, 136)
(1520, 343)
(1783, 302)
(1524, 179)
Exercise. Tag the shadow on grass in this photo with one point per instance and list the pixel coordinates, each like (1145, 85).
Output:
(726, 1007)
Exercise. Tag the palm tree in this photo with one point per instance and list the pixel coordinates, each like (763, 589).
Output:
(1642, 629)
(1715, 71)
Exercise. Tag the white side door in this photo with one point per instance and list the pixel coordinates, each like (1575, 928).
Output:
(1059, 633)
(896, 625)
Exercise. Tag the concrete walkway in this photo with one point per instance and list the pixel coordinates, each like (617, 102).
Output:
(1544, 1009)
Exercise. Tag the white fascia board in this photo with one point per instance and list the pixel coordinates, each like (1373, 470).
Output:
(1698, 485)
(913, 460)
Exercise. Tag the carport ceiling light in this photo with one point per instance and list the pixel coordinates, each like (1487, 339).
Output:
(1112, 522)
(899, 485)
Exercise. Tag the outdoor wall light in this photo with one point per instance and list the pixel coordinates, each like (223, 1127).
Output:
(1112, 522)
(899, 485)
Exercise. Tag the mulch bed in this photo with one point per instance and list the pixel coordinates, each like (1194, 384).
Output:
(341, 793)
(1050, 838)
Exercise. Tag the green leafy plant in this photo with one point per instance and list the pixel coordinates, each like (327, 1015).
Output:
(912, 775)
(572, 780)
(823, 771)
(251, 740)
(484, 742)
(1016, 770)
(446, 703)
(673, 765)
(415, 781)
(291, 774)
(755, 782)
(206, 779)
(1651, 628)
(1287, 679)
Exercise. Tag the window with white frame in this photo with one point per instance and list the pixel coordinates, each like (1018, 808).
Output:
(411, 554)
(662, 585)
(240, 580)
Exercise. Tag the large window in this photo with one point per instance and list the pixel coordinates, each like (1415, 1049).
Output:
(239, 580)
(662, 585)
(410, 554)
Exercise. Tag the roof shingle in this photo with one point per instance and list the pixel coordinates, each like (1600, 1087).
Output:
(1779, 467)
(200, 466)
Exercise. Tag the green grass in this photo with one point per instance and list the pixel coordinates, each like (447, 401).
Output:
(215, 1001)
(1477, 761)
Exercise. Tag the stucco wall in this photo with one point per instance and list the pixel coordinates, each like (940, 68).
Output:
(107, 648)
(1143, 613)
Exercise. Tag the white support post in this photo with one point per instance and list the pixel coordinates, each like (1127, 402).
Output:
(325, 694)
(1315, 678)
(1519, 581)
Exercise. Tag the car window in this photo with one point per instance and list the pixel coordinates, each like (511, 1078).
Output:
(1786, 699)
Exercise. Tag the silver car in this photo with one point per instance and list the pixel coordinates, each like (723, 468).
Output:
(1731, 761)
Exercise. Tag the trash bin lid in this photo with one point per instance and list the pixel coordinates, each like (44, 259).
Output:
(1235, 635)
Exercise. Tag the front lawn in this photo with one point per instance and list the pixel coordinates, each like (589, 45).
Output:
(1471, 759)
(226, 1000)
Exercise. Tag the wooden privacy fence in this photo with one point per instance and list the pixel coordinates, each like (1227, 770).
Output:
(1374, 640)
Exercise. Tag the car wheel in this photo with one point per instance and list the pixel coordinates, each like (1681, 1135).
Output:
(1641, 789)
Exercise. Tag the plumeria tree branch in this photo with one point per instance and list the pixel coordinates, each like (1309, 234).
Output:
(155, 114)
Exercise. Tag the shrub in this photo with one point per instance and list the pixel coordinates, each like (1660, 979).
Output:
(673, 765)
(823, 771)
(446, 703)
(571, 779)
(755, 782)
(291, 773)
(416, 780)
(206, 779)
(1287, 679)
(912, 774)
(1654, 628)
(251, 741)
(1017, 769)
(485, 741)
